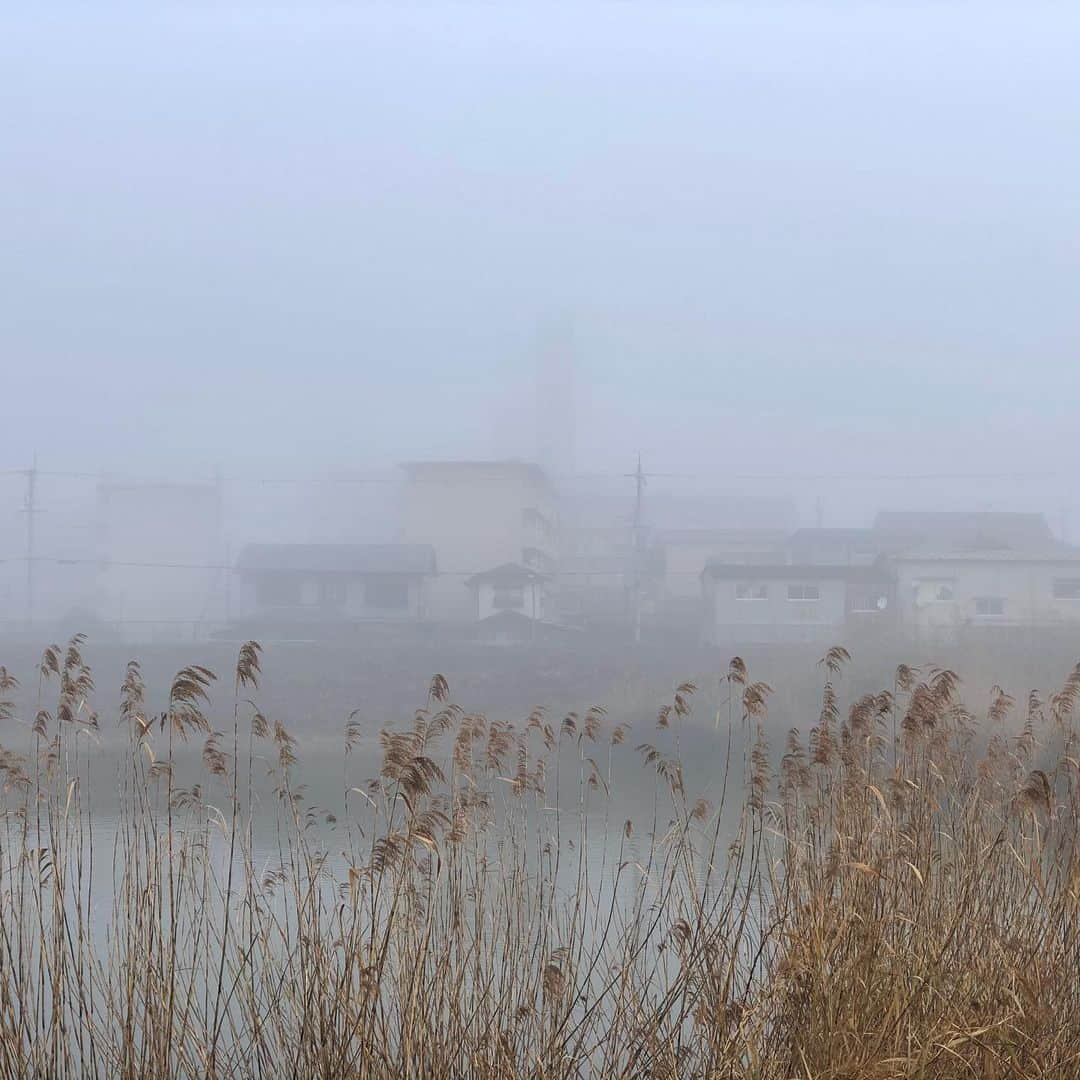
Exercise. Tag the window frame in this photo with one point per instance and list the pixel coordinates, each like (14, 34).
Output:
(803, 587)
(938, 584)
(857, 602)
(754, 590)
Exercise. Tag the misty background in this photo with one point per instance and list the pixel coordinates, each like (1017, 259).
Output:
(809, 261)
(790, 237)
(822, 256)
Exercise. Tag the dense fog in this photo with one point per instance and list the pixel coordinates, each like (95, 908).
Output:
(721, 274)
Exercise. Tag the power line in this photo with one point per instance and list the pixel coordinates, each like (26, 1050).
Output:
(788, 476)
(50, 472)
(106, 564)
(145, 622)
(364, 476)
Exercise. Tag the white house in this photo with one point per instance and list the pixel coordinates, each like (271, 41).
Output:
(510, 595)
(792, 604)
(940, 596)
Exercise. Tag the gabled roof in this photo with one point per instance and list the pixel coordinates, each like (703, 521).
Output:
(836, 545)
(408, 559)
(960, 531)
(1061, 554)
(868, 537)
(723, 571)
(508, 574)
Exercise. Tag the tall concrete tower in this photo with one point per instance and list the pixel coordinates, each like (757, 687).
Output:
(556, 405)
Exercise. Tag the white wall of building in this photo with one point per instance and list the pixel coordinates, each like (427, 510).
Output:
(757, 611)
(939, 597)
(529, 600)
(477, 516)
(375, 597)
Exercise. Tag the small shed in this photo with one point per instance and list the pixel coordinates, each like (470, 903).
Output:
(510, 588)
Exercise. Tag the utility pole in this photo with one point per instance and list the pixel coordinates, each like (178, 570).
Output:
(31, 511)
(638, 476)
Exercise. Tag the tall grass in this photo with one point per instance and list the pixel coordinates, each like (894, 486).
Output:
(899, 899)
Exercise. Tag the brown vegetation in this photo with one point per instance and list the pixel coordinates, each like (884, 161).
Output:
(899, 900)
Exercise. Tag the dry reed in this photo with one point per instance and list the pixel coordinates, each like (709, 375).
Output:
(899, 900)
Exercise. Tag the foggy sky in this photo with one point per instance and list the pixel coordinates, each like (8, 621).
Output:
(803, 236)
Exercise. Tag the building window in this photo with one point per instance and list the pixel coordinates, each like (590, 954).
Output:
(935, 592)
(277, 590)
(803, 592)
(386, 595)
(751, 590)
(333, 592)
(989, 605)
(869, 598)
(1067, 588)
(508, 598)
